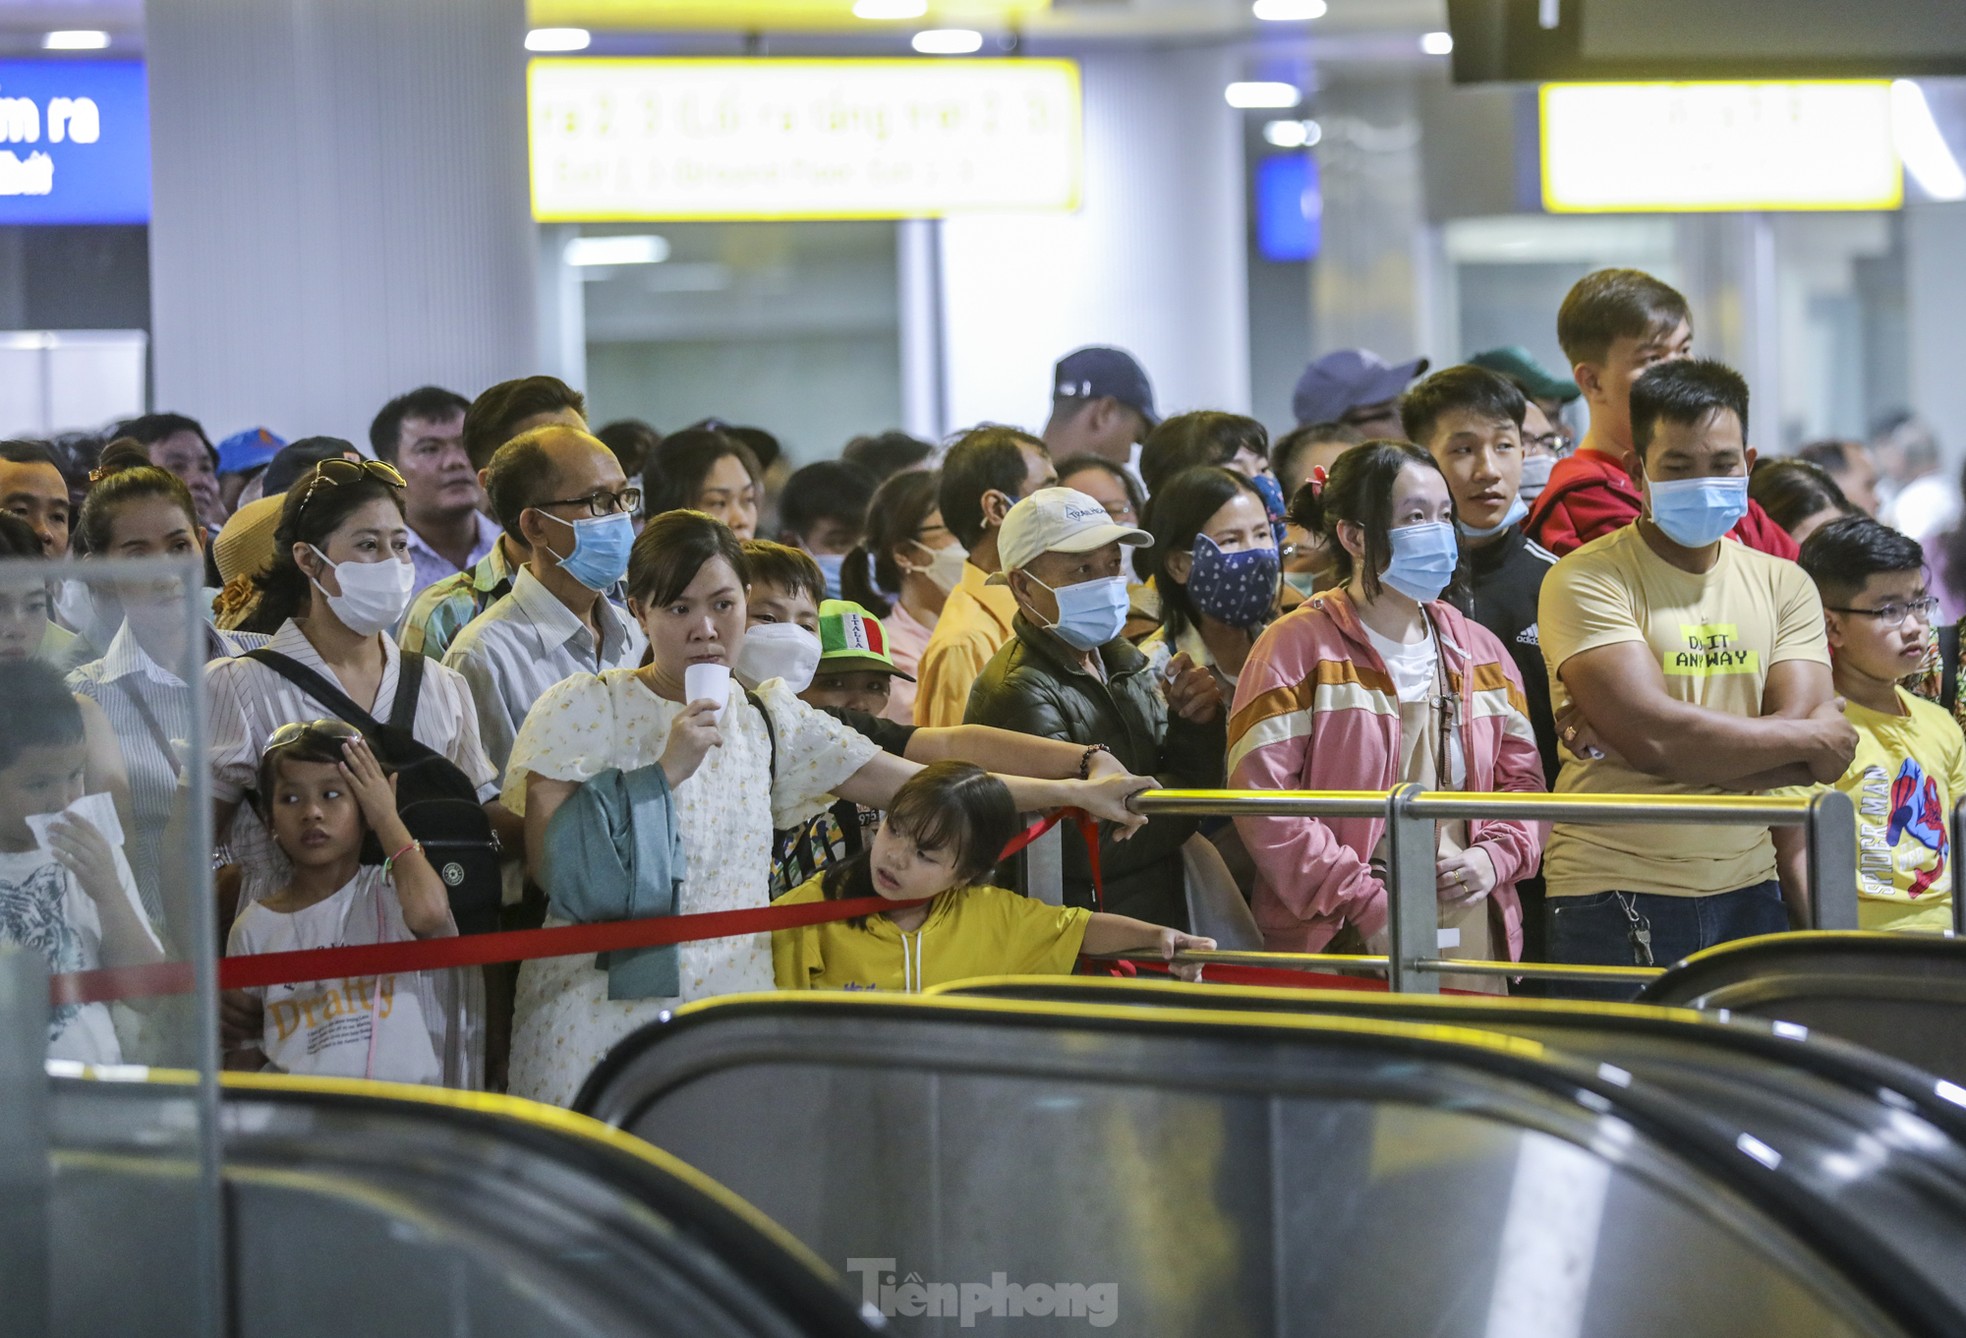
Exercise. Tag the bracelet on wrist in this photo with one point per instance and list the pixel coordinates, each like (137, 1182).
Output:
(389, 865)
(1085, 762)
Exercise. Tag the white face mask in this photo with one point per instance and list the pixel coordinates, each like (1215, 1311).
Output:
(778, 650)
(373, 594)
(945, 566)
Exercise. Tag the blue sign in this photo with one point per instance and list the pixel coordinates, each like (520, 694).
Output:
(74, 142)
(1289, 207)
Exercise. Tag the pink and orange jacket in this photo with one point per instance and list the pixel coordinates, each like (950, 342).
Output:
(1315, 709)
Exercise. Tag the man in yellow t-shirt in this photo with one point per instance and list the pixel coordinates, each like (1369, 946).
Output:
(984, 475)
(1910, 767)
(1682, 664)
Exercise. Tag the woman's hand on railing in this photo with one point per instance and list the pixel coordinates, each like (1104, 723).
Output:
(1466, 877)
(1105, 798)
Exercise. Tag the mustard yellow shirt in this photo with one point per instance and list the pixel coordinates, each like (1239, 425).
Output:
(974, 625)
(1715, 635)
(969, 932)
(1908, 772)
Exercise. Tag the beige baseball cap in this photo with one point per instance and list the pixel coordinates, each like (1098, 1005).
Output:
(1058, 520)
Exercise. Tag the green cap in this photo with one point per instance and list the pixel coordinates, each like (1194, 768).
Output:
(1520, 365)
(852, 638)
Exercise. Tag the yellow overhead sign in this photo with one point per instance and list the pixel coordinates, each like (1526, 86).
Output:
(765, 15)
(1683, 147)
(621, 140)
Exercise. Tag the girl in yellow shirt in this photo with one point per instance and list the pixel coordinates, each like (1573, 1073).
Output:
(943, 833)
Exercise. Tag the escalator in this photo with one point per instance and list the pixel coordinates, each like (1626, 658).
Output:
(1240, 1173)
(357, 1208)
(1902, 995)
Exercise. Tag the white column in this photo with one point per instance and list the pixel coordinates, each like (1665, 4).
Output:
(340, 207)
(918, 261)
(1935, 276)
(1152, 261)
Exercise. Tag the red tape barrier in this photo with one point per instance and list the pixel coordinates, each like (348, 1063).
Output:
(434, 954)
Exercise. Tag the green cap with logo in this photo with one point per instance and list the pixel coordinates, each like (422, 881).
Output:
(1520, 366)
(852, 638)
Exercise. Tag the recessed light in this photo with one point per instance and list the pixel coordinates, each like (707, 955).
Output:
(948, 41)
(1437, 44)
(1289, 11)
(1248, 95)
(637, 249)
(75, 39)
(558, 39)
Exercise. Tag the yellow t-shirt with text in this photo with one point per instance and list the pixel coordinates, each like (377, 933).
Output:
(969, 932)
(1908, 772)
(1715, 635)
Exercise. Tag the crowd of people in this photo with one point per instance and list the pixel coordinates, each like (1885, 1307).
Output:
(494, 667)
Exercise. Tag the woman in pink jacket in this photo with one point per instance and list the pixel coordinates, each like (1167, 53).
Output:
(1373, 684)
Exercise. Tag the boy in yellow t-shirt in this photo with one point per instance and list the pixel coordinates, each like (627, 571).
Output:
(1910, 765)
(941, 835)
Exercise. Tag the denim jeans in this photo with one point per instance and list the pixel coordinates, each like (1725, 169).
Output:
(1596, 931)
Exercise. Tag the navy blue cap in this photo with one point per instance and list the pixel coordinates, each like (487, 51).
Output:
(1341, 381)
(1094, 373)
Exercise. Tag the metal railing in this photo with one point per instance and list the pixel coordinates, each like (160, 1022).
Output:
(1413, 963)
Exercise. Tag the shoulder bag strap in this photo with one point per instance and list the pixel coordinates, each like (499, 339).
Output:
(409, 682)
(317, 687)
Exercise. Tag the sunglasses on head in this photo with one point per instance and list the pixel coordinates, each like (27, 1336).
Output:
(339, 470)
(292, 733)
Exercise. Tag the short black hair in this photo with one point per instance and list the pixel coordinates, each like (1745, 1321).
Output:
(632, 442)
(521, 475)
(784, 566)
(1683, 391)
(1206, 437)
(433, 403)
(42, 712)
(826, 490)
(18, 539)
(1360, 490)
(488, 423)
(149, 429)
(673, 473)
(1791, 491)
(1610, 304)
(298, 458)
(1475, 389)
(20, 451)
(1283, 455)
(886, 454)
(673, 547)
(1844, 554)
(984, 459)
(1831, 455)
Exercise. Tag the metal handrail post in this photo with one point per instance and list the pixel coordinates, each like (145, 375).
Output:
(1958, 833)
(1832, 833)
(1044, 868)
(1412, 901)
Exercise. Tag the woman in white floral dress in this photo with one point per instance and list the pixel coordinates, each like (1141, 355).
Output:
(686, 582)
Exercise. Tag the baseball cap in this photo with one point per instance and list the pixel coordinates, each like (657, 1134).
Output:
(1342, 380)
(1057, 520)
(1096, 372)
(852, 638)
(243, 452)
(1520, 365)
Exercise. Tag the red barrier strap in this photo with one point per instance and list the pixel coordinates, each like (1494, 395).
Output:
(1088, 828)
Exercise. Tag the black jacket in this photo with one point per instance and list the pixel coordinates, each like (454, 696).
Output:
(1032, 686)
(1505, 579)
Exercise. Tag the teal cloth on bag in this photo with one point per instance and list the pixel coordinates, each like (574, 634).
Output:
(614, 852)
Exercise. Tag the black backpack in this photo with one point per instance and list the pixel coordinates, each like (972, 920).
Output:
(438, 802)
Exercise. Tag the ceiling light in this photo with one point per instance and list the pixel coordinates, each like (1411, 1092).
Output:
(1289, 11)
(1293, 134)
(1247, 95)
(647, 249)
(1437, 44)
(1926, 154)
(948, 41)
(558, 39)
(75, 39)
(890, 9)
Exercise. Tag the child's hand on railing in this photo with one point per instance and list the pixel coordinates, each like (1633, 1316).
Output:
(1173, 941)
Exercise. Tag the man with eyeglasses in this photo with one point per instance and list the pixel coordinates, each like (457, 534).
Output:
(559, 493)
(1910, 765)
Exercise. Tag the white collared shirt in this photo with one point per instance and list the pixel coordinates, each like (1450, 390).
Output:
(524, 644)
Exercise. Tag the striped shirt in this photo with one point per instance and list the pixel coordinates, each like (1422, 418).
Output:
(524, 644)
(148, 706)
(249, 701)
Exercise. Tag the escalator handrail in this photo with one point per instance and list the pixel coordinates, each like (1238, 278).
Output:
(1732, 962)
(767, 1256)
(1668, 1122)
(1831, 1058)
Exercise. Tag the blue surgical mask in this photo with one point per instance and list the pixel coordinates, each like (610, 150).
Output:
(1274, 505)
(829, 567)
(1517, 510)
(600, 549)
(1090, 613)
(1238, 588)
(1535, 477)
(1424, 558)
(1697, 512)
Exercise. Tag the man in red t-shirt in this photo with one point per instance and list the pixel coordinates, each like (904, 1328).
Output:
(1613, 325)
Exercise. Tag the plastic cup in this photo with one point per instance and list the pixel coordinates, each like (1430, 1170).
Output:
(707, 680)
